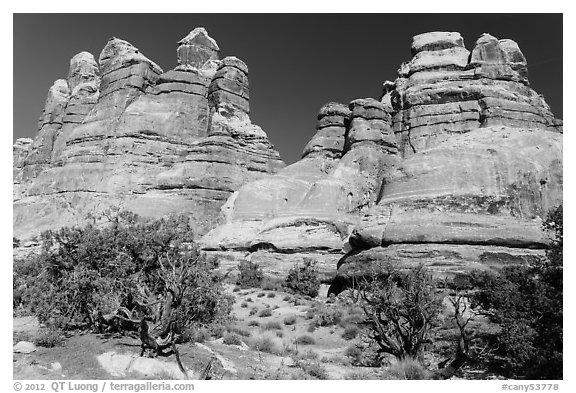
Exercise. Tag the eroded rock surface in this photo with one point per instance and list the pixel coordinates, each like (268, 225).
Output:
(121, 132)
(482, 163)
(309, 208)
(455, 166)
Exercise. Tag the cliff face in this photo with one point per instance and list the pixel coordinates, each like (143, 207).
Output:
(455, 166)
(121, 132)
(310, 207)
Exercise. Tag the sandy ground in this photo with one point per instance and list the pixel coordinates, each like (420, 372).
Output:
(94, 356)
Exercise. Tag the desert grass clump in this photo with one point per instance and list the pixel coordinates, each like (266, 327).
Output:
(272, 325)
(314, 369)
(305, 340)
(289, 350)
(231, 339)
(357, 375)
(271, 295)
(310, 355)
(49, 338)
(290, 320)
(323, 315)
(263, 344)
(407, 368)
(244, 305)
(265, 313)
(354, 353)
(253, 323)
(287, 298)
(253, 311)
(350, 333)
(270, 284)
(261, 294)
(239, 331)
(195, 334)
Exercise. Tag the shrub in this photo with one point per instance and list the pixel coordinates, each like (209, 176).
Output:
(196, 334)
(249, 300)
(261, 294)
(354, 353)
(253, 323)
(279, 334)
(265, 313)
(48, 338)
(290, 320)
(272, 325)
(309, 354)
(287, 298)
(244, 305)
(357, 375)
(236, 289)
(409, 369)
(324, 315)
(239, 331)
(304, 279)
(305, 340)
(250, 275)
(263, 344)
(122, 260)
(253, 311)
(314, 369)
(526, 301)
(232, 339)
(289, 350)
(350, 333)
(270, 284)
(401, 307)
(271, 294)
(311, 328)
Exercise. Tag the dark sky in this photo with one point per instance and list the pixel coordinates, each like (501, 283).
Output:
(297, 62)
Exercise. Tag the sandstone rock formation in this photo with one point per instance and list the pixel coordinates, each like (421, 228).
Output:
(20, 151)
(309, 208)
(120, 132)
(455, 167)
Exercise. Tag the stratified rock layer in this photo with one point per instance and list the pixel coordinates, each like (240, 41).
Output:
(482, 163)
(20, 151)
(454, 167)
(309, 208)
(122, 133)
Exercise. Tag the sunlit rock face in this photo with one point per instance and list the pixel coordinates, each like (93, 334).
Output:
(309, 208)
(455, 167)
(482, 163)
(121, 132)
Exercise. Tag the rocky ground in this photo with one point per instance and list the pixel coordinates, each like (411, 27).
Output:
(274, 335)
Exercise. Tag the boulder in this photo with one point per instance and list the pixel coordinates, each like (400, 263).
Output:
(24, 347)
